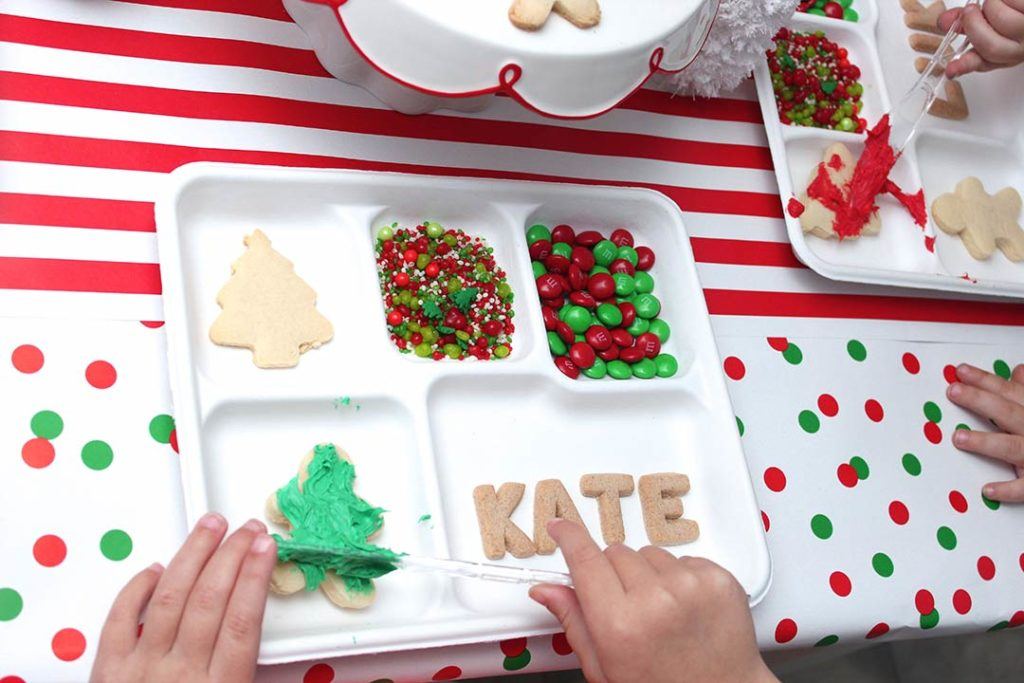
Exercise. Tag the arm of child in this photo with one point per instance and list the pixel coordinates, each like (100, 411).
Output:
(203, 613)
(648, 617)
(996, 32)
(1001, 401)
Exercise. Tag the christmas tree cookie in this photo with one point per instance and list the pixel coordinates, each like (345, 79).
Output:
(268, 308)
(325, 518)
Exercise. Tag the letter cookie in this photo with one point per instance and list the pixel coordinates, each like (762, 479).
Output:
(608, 489)
(498, 531)
(551, 501)
(983, 222)
(663, 511)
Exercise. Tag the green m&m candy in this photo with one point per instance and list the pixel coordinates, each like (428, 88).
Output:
(666, 364)
(647, 306)
(660, 329)
(619, 369)
(609, 315)
(577, 318)
(638, 327)
(605, 252)
(562, 249)
(537, 232)
(644, 282)
(598, 370)
(624, 284)
(555, 343)
(629, 253)
(598, 269)
(850, 14)
(644, 369)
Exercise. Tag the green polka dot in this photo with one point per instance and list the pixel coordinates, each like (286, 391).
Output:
(160, 428)
(856, 350)
(116, 545)
(999, 627)
(946, 537)
(517, 663)
(932, 412)
(1001, 368)
(911, 464)
(821, 526)
(10, 604)
(97, 455)
(47, 424)
(793, 354)
(989, 503)
(809, 421)
(858, 463)
(739, 425)
(962, 426)
(882, 565)
(827, 640)
(930, 620)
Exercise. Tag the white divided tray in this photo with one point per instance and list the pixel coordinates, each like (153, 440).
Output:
(989, 144)
(423, 434)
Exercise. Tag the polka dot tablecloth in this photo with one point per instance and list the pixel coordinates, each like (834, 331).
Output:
(876, 525)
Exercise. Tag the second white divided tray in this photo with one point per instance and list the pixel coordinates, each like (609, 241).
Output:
(423, 434)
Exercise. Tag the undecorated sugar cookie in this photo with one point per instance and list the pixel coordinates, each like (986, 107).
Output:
(268, 308)
(530, 15)
(983, 222)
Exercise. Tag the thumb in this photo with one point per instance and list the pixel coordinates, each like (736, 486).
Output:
(561, 601)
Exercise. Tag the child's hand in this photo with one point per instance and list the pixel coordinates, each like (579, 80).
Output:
(203, 613)
(1002, 402)
(996, 33)
(647, 617)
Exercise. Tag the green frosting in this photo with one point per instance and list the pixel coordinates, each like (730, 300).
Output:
(330, 525)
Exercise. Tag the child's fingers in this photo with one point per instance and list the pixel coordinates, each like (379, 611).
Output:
(597, 585)
(662, 560)
(209, 598)
(1005, 491)
(234, 656)
(164, 612)
(1007, 414)
(563, 604)
(947, 18)
(1006, 20)
(987, 42)
(1017, 377)
(1006, 447)
(969, 63)
(633, 569)
(968, 374)
(120, 632)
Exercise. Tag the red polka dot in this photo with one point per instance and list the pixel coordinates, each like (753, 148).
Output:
(924, 601)
(899, 513)
(49, 550)
(1020, 561)
(774, 479)
(949, 373)
(847, 475)
(764, 520)
(12, 679)
(932, 432)
(153, 324)
(560, 644)
(828, 405)
(780, 344)
(513, 647)
(27, 358)
(319, 673)
(840, 584)
(879, 629)
(449, 673)
(101, 374)
(911, 364)
(785, 631)
(873, 409)
(986, 568)
(962, 601)
(1017, 618)
(734, 368)
(173, 439)
(68, 644)
(37, 453)
(957, 501)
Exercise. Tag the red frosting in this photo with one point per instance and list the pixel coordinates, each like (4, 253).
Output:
(854, 205)
(794, 207)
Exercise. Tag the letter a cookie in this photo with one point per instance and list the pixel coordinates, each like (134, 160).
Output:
(983, 222)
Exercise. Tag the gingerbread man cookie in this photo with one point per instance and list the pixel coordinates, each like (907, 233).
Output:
(983, 222)
(530, 15)
(819, 220)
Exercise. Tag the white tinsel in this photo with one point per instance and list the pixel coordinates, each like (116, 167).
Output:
(742, 31)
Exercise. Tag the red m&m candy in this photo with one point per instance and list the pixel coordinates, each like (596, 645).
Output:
(582, 355)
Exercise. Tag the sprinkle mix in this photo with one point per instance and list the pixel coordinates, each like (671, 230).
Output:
(600, 315)
(814, 82)
(830, 8)
(444, 295)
